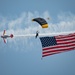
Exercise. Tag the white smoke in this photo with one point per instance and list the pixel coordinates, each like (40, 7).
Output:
(22, 25)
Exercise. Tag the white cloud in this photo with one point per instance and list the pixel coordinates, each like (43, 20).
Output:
(23, 25)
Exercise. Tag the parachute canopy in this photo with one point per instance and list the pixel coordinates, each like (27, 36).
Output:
(41, 21)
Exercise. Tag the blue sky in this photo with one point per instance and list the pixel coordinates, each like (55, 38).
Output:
(22, 55)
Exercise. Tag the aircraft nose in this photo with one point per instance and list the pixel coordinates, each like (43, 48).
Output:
(11, 35)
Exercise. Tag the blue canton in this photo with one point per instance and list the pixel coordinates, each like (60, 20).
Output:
(48, 41)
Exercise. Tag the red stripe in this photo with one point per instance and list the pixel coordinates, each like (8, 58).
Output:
(53, 53)
(65, 36)
(59, 46)
(66, 42)
(50, 54)
(58, 50)
(63, 39)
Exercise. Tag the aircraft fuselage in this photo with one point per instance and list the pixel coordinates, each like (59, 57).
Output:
(5, 36)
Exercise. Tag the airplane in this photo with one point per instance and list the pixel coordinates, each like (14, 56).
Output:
(37, 34)
(4, 36)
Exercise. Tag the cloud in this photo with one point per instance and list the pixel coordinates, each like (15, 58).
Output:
(22, 25)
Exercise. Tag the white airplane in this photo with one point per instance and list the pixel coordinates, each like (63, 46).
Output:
(4, 36)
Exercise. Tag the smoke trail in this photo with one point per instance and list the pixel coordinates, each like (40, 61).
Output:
(46, 34)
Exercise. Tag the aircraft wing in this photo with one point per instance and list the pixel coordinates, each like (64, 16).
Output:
(5, 41)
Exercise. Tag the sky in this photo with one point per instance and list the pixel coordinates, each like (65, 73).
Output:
(22, 55)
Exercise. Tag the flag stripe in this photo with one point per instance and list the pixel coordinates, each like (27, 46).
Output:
(51, 53)
(65, 36)
(57, 44)
(66, 42)
(59, 49)
(64, 39)
(47, 54)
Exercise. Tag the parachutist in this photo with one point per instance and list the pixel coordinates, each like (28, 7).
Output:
(37, 34)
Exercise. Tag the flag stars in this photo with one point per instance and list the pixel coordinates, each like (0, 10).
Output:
(48, 41)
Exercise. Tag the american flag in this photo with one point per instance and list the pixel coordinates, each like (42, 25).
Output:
(57, 44)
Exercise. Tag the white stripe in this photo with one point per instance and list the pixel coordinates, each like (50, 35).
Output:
(59, 45)
(54, 52)
(61, 48)
(73, 37)
(61, 42)
(65, 36)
